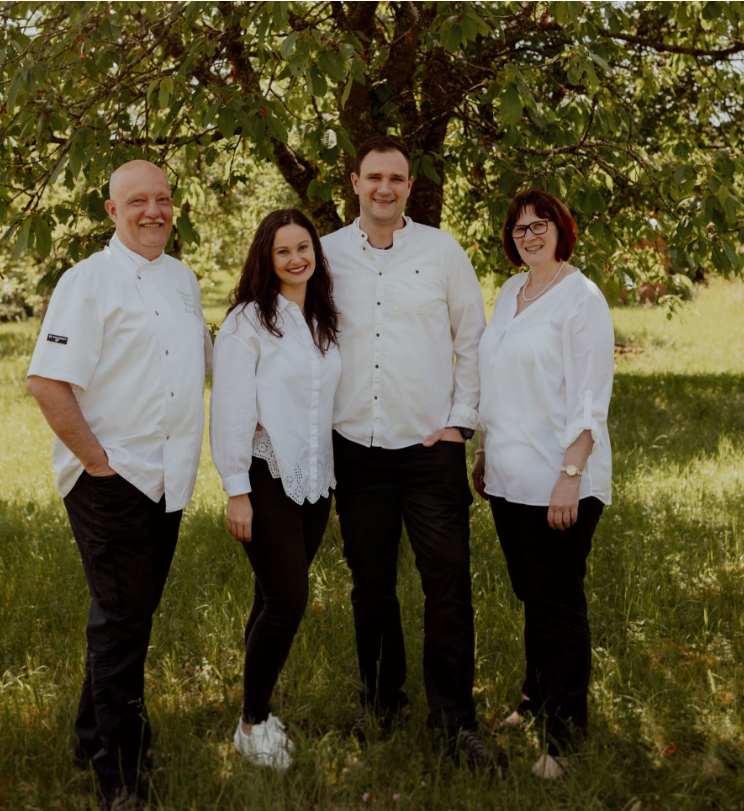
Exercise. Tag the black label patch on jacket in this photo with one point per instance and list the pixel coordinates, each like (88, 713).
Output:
(57, 339)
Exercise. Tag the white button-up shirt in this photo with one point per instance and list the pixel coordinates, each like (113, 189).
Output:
(284, 384)
(546, 377)
(403, 322)
(129, 336)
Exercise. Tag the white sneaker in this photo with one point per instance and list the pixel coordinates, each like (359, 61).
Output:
(266, 744)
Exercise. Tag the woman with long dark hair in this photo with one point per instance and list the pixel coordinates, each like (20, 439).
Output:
(276, 369)
(545, 463)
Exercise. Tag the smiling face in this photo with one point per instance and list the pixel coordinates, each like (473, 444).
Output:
(293, 257)
(141, 206)
(383, 185)
(536, 250)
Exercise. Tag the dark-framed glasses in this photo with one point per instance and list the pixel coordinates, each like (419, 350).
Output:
(538, 227)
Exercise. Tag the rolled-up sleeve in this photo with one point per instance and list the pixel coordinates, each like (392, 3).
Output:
(589, 363)
(233, 412)
(467, 322)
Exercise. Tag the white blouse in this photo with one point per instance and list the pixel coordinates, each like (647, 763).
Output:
(546, 376)
(284, 384)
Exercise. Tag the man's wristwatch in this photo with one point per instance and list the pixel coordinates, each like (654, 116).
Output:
(466, 433)
(572, 471)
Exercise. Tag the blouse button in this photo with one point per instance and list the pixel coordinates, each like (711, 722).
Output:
(166, 351)
(156, 312)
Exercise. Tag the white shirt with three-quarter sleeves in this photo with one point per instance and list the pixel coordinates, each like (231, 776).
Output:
(410, 321)
(286, 385)
(546, 377)
(129, 336)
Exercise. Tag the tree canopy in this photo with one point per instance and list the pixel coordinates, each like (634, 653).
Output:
(629, 112)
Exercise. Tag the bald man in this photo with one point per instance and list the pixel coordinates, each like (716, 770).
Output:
(118, 372)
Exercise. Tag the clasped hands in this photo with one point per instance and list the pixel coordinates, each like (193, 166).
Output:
(563, 510)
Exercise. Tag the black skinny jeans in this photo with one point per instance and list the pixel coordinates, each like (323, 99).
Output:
(427, 489)
(547, 569)
(285, 537)
(126, 543)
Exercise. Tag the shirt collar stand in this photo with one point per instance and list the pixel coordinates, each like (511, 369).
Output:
(398, 236)
(138, 259)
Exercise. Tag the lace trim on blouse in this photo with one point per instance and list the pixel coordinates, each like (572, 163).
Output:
(297, 483)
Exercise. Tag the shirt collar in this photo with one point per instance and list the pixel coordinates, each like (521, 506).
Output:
(399, 236)
(138, 259)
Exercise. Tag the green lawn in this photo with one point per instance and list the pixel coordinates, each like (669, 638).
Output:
(665, 585)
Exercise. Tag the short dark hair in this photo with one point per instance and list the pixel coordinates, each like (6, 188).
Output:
(382, 143)
(549, 207)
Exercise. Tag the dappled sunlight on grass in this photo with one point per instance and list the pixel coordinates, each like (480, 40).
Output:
(666, 600)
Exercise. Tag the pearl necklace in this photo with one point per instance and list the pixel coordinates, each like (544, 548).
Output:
(545, 289)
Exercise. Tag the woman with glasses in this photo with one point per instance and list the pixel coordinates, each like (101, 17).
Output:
(544, 462)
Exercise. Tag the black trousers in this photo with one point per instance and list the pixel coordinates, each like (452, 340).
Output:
(285, 537)
(427, 489)
(547, 569)
(126, 543)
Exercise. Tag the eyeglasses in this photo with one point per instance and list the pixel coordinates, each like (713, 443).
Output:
(537, 228)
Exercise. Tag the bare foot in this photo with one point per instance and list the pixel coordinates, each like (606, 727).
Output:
(548, 768)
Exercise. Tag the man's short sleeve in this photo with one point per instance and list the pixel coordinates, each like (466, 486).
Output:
(69, 345)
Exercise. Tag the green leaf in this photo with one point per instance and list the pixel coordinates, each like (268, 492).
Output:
(741, 236)
(187, 230)
(22, 238)
(730, 252)
(226, 122)
(510, 110)
(277, 128)
(317, 82)
(43, 235)
(347, 91)
(345, 143)
(427, 167)
(682, 173)
(288, 44)
(165, 92)
(333, 64)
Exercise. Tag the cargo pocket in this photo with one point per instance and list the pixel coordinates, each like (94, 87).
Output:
(101, 563)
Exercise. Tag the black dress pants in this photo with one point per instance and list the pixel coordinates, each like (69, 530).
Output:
(126, 543)
(427, 489)
(285, 537)
(547, 569)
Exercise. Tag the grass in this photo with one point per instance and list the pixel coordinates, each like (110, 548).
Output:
(665, 585)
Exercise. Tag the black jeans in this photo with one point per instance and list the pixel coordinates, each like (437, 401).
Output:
(427, 489)
(547, 569)
(285, 537)
(126, 543)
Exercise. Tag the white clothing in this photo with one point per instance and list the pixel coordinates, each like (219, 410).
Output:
(284, 384)
(403, 319)
(129, 336)
(546, 376)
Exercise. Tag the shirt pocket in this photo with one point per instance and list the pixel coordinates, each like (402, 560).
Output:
(415, 290)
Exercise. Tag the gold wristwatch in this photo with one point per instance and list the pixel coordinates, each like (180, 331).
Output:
(572, 471)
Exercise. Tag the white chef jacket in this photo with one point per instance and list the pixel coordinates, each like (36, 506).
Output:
(284, 384)
(546, 376)
(403, 320)
(129, 336)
